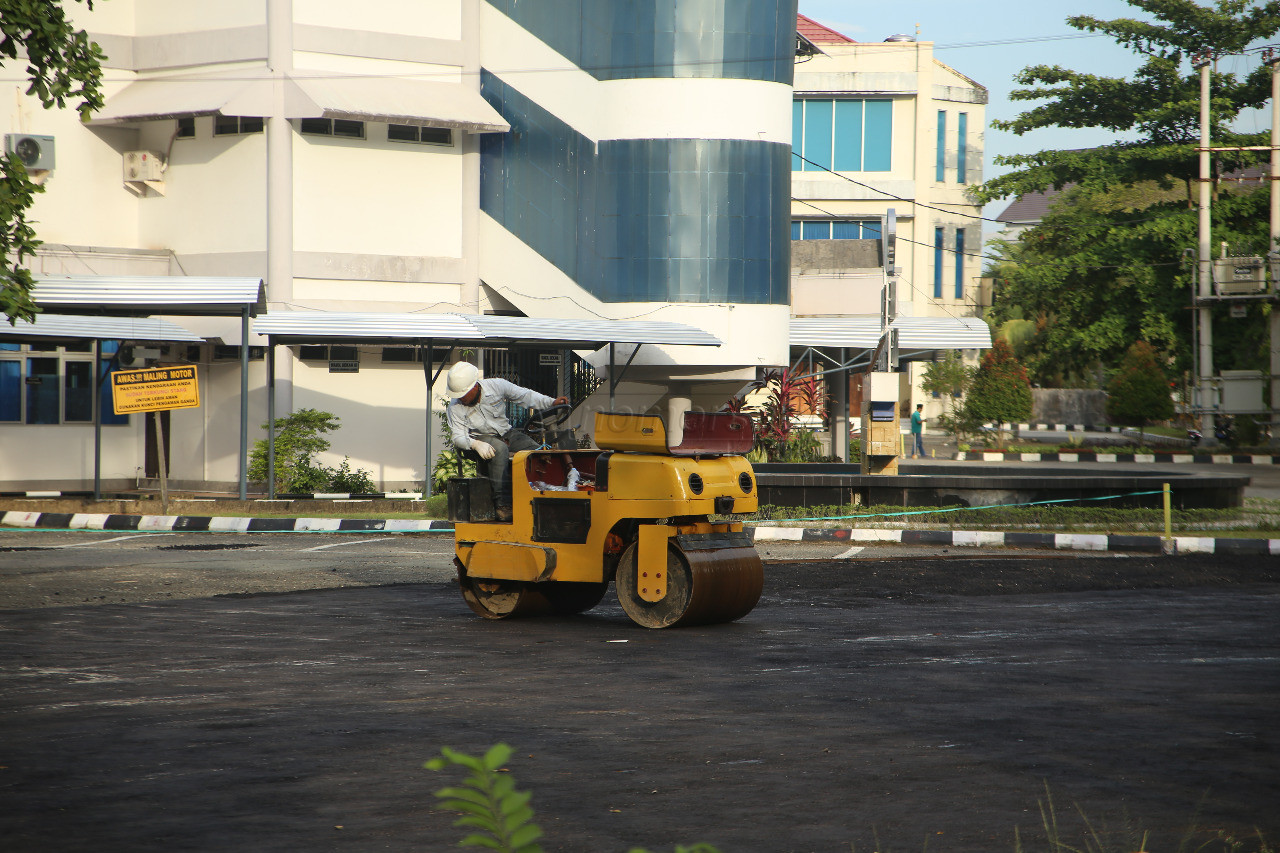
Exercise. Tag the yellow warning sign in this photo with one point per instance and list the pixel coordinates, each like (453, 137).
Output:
(154, 390)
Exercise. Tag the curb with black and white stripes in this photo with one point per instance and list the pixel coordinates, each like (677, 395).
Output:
(1164, 458)
(951, 538)
(1017, 539)
(217, 524)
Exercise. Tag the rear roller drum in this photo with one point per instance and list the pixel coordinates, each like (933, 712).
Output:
(498, 599)
(703, 587)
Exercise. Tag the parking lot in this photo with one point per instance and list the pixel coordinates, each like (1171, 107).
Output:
(282, 695)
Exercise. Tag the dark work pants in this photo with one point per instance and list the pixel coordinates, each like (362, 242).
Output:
(498, 469)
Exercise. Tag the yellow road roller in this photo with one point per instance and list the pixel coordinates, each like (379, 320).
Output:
(636, 511)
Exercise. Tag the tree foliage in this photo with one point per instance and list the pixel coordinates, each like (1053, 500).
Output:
(1106, 266)
(1001, 392)
(1139, 391)
(62, 65)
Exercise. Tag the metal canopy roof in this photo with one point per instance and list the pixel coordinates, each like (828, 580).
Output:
(914, 333)
(250, 92)
(149, 294)
(76, 327)
(294, 327)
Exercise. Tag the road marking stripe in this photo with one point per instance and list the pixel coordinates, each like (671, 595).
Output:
(353, 542)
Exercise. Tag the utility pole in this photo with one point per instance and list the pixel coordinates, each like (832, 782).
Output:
(1273, 57)
(1204, 397)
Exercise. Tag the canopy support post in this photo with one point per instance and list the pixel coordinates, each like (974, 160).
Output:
(271, 418)
(244, 403)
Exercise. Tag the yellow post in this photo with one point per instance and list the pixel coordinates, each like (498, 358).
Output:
(1168, 513)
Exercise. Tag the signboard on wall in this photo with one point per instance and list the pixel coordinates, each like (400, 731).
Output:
(154, 389)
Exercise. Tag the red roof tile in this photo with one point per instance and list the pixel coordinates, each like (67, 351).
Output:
(818, 34)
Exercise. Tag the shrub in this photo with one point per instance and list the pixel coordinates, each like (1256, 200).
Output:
(299, 437)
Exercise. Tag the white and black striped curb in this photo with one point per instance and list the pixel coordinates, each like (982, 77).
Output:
(302, 496)
(954, 538)
(217, 524)
(1164, 458)
(1013, 539)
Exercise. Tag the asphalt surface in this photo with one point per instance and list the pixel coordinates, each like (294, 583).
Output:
(280, 693)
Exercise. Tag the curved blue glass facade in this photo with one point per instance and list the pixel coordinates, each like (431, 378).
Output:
(648, 220)
(621, 39)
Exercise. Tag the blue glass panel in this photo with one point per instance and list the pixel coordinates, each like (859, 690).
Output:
(846, 230)
(740, 39)
(877, 136)
(962, 147)
(848, 136)
(871, 230)
(816, 231)
(107, 416)
(10, 391)
(42, 391)
(817, 135)
(77, 402)
(937, 263)
(797, 135)
(611, 216)
(959, 263)
(10, 347)
(940, 170)
(795, 230)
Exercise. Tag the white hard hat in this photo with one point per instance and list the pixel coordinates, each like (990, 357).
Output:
(462, 378)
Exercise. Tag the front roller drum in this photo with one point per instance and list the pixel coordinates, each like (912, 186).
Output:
(703, 587)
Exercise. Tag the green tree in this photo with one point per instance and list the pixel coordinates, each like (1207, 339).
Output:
(1001, 392)
(299, 437)
(62, 65)
(1139, 391)
(1105, 267)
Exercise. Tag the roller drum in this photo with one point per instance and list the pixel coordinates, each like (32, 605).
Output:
(704, 586)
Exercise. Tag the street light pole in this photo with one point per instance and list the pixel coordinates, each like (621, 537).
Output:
(1204, 274)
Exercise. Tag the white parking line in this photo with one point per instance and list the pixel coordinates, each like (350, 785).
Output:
(856, 549)
(353, 542)
(105, 541)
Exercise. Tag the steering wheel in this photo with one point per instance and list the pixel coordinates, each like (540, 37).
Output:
(549, 417)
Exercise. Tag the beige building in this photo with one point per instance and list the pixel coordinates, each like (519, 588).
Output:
(880, 126)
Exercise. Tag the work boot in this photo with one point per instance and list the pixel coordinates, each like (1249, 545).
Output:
(502, 513)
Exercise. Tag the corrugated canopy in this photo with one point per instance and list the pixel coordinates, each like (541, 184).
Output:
(77, 327)
(294, 327)
(914, 333)
(250, 93)
(141, 295)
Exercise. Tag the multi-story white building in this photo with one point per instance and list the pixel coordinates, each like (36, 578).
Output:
(557, 159)
(880, 126)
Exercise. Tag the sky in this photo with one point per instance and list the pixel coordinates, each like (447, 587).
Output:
(992, 40)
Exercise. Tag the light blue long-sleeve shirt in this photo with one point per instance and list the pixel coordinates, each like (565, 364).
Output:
(489, 415)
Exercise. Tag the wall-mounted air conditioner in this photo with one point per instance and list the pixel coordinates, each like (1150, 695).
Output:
(135, 356)
(35, 152)
(143, 166)
(143, 170)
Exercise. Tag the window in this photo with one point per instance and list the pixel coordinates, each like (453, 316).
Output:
(960, 263)
(313, 353)
(186, 128)
(51, 383)
(839, 229)
(941, 168)
(841, 135)
(392, 355)
(333, 127)
(938, 237)
(425, 135)
(228, 125)
(962, 133)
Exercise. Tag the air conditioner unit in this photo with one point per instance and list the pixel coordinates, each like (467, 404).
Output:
(143, 166)
(1234, 276)
(35, 152)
